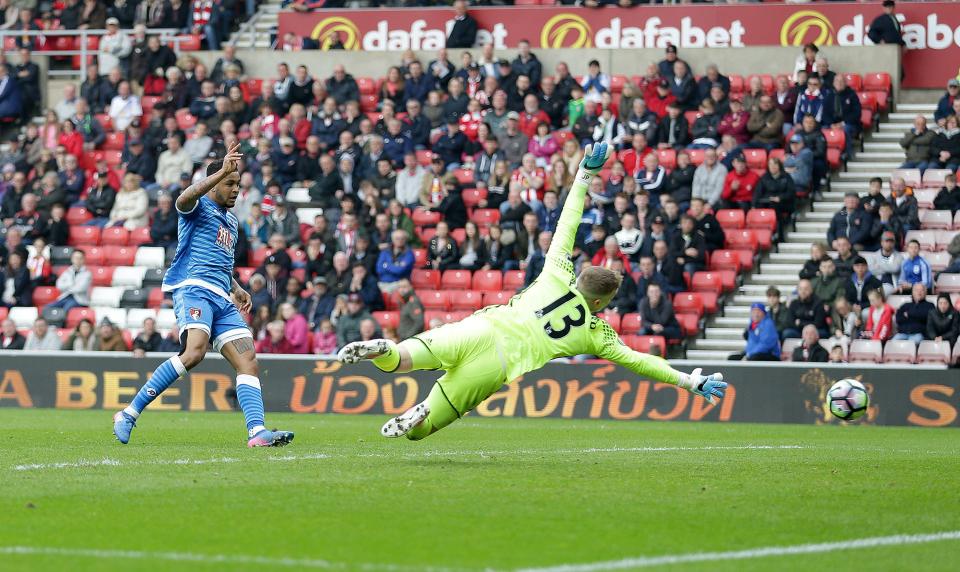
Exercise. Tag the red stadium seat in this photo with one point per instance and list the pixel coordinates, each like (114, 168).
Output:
(789, 344)
(746, 259)
(387, 319)
(105, 121)
(730, 219)
(777, 154)
(688, 303)
(76, 315)
(458, 235)
(420, 257)
(834, 158)
(900, 351)
(745, 239)
(368, 103)
(756, 158)
(736, 83)
(496, 298)
(464, 177)
(725, 260)
(612, 318)
(854, 81)
(423, 217)
(472, 197)
(77, 216)
(617, 81)
(689, 324)
(763, 219)
(485, 217)
(425, 279)
(866, 119)
(425, 233)
(434, 299)
(367, 86)
(883, 101)
(925, 197)
(257, 256)
(513, 279)
(766, 79)
(155, 298)
(43, 295)
(456, 280)
(710, 302)
(424, 157)
(877, 81)
(102, 275)
(868, 101)
(188, 43)
(119, 255)
(185, 121)
(691, 117)
(488, 280)
(140, 236)
(933, 352)
(836, 138)
(94, 255)
(630, 323)
(644, 344)
(668, 158)
(696, 156)
(115, 236)
(936, 220)
(84, 236)
(865, 351)
(114, 141)
(466, 300)
(707, 282)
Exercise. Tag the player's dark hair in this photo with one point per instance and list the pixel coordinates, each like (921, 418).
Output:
(214, 167)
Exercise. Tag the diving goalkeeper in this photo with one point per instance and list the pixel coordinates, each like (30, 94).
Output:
(553, 317)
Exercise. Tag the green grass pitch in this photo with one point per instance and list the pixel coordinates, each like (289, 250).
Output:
(502, 494)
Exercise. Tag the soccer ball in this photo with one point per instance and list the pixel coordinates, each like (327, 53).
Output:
(848, 399)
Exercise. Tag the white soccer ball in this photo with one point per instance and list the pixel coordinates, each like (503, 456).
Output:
(848, 399)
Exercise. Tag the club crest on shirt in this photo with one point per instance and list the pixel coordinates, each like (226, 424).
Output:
(225, 238)
(194, 313)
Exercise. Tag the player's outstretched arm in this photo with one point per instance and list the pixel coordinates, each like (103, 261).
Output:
(241, 298)
(189, 197)
(594, 158)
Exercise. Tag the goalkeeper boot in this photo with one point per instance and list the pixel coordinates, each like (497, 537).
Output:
(268, 438)
(123, 424)
(402, 424)
(357, 351)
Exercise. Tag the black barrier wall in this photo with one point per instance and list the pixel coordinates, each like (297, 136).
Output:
(774, 393)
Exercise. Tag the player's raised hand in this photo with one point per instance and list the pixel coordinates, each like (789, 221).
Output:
(242, 300)
(594, 158)
(231, 162)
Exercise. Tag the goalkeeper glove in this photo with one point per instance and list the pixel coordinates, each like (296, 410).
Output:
(708, 387)
(594, 158)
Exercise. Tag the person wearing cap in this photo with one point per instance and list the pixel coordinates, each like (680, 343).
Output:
(884, 221)
(852, 222)
(916, 143)
(886, 28)
(665, 66)
(110, 338)
(319, 305)
(861, 282)
(887, 262)
(140, 161)
(763, 342)
(114, 46)
(452, 144)
(798, 162)
(945, 105)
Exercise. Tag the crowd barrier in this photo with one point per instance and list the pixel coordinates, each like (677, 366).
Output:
(926, 396)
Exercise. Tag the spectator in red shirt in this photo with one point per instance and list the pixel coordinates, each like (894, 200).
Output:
(735, 122)
(739, 185)
(275, 342)
(532, 116)
(661, 99)
(879, 318)
(71, 140)
(632, 159)
(610, 252)
(531, 179)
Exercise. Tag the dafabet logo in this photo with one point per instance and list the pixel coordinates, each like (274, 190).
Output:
(566, 31)
(348, 31)
(806, 26)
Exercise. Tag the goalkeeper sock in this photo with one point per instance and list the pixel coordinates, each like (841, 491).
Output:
(389, 361)
(162, 378)
(251, 402)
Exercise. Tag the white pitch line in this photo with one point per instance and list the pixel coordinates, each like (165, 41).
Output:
(763, 552)
(239, 559)
(107, 462)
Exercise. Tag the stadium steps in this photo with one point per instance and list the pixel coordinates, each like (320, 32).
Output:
(723, 334)
(264, 27)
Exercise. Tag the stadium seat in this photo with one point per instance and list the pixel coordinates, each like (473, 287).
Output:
(513, 279)
(84, 236)
(106, 296)
(139, 236)
(458, 235)
(56, 317)
(836, 138)
(868, 101)
(128, 276)
(900, 351)
(43, 295)
(94, 255)
(612, 318)
(155, 298)
(910, 176)
(789, 344)
(707, 282)
(925, 197)
(944, 237)
(866, 120)
(456, 280)
(645, 344)
(150, 257)
(865, 351)
(736, 83)
(926, 238)
(491, 298)
(938, 260)
(419, 257)
(136, 316)
(77, 216)
(854, 81)
(307, 216)
(834, 158)
(434, 300)
(102, 275)
(472, 197)
(934, 178)
(387, 319)
(689, 324)
(725, 260)
(933, 352)
(425, 233)
(710, 301)
(257, 256)
(423, 217)
(76, 315)
(114, 141)
(425, 279)
(116, 315)
(154, 276)
(466, 300)
(23, 316)
(119, 255)
(948, 283)
(689, 303)
(166, 319)
(488, 280)
(668, 158)
(185, 121)
(936, 220)
(762, 219)
(630, 323)
(730, 219)
(897, 300)
(756, 158)
(877, 81)
(696, 156)
(137, 298)
(485, 217)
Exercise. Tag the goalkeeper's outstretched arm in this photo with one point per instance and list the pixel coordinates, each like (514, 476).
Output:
(593, 160)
